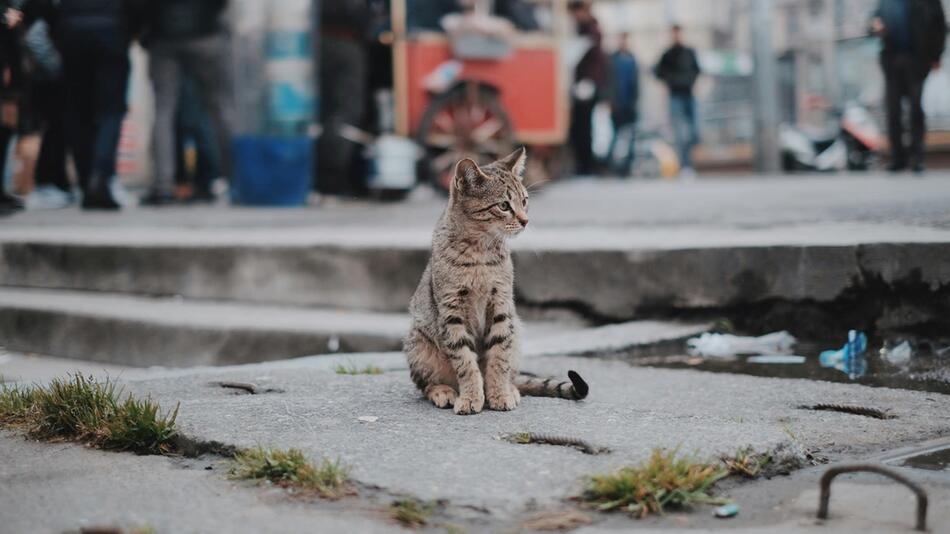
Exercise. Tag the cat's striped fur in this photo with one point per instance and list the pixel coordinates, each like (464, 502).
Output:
(465, 342)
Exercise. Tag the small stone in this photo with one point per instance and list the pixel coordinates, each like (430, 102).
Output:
(367, 419)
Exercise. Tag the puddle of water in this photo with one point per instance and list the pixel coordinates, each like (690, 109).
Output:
(927, 370)
(938, 460)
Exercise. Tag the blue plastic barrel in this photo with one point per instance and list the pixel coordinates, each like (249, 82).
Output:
(272, 171)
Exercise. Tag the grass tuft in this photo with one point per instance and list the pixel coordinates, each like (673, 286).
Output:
(16, 404)
(663, 481)
(352, 369)
(411, 512)
(746, 463)
(290, 468)
(84, 409)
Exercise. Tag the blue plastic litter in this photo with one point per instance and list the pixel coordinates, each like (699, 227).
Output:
(726, 511)
(272, 171)
(850, 359)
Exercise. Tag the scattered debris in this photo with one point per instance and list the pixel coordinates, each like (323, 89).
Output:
(352, 369)
(849, 359)
(291, 469)
(367, 418)
(525, 438)
(776, 359)
(412, 512)
(726, 511)
(898, 356)
(714, 345)
(664, 480)
(253, 389)
(855, 410)
(557, 520)
(747, 462)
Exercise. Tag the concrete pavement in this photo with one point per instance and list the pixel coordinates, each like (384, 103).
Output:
(488, 484)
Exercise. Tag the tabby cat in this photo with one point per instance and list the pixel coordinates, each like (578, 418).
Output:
(464, 344)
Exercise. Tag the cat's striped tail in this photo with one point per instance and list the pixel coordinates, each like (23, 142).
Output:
(534, 386)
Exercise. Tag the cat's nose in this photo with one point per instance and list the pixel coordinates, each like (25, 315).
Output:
(523, 221)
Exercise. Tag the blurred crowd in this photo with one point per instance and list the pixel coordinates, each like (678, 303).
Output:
(65, 74)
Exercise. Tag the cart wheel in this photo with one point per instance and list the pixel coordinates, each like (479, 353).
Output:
(467, 121)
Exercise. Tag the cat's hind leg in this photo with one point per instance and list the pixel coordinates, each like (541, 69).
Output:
(431, 370)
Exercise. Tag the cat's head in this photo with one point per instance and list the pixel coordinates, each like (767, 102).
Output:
(492, 197)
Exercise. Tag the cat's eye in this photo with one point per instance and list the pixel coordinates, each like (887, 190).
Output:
(505, 206)
(524, 202)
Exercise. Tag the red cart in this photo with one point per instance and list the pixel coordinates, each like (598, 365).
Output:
(480, 88)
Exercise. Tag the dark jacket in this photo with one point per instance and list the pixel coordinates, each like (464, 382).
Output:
(624, 86)
(593, 64)
(83, 15)
(678, 69)
(925, 30)
(183, 19)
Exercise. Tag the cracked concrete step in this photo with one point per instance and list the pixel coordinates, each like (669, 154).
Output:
(140, 331)
(615, 274)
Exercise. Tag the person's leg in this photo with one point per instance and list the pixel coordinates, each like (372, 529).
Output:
(343, 86)
(681, 134)
(164, 71)
(51, 165)
(916, 76)
(207, 61)
(79, 80)
(584, 148)
(631, 132)
(610, 159)
(895, 127)
(7, 201)
(111, 85)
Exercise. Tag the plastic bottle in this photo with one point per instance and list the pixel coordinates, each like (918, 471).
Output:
(850, 358)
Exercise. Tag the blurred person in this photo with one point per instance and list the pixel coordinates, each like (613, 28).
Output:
(93, 38)
(187, 37)
(913, 33)
(192, 123)
(624, 97)
(11, 80)
(678, 69)
(48, 101)
(343, 82)
(590, 76)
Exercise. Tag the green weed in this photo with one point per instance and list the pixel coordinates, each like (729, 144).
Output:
(84, 409)
(411, 512)
(352, 369)
(292, 469)
(663, 481)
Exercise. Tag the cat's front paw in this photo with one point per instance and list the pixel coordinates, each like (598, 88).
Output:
(467, 405)
(505, 399)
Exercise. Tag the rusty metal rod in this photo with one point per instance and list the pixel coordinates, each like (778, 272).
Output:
(830, 475)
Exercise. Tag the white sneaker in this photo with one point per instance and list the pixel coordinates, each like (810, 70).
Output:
(687, 174)
(49, 197)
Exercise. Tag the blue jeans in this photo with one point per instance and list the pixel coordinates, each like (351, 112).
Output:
(96, 72)
(685, 126)
(623, 127)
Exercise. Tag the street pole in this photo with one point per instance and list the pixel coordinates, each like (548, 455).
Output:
(765, 89)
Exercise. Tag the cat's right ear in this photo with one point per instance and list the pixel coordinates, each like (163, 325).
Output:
(467, 173)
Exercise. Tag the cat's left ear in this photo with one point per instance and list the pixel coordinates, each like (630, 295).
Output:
(515, 162)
